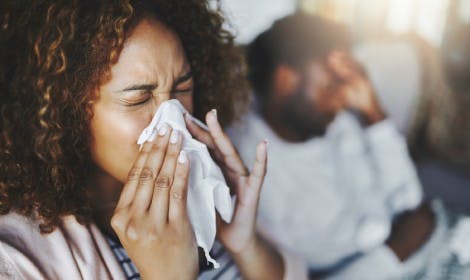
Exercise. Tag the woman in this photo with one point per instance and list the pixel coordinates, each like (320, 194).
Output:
(79, 81)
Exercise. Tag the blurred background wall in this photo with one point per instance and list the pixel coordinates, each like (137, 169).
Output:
(425, 88)
(432, 19)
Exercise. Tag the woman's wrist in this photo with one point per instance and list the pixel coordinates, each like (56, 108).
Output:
(251, 248)
(189, 274)
(259, 260)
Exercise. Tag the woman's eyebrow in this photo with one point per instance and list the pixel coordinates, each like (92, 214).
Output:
(140, 87)
(188, 75)
(148, 87)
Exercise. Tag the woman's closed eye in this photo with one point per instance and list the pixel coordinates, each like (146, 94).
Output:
(140, 94)
(135, 98)
(186, 90)
(184, 84)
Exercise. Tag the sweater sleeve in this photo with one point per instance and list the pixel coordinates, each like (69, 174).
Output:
(395, 171)
(15, 265)
(380, 263)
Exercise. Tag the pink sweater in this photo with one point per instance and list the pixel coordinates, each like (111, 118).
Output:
(72, 251)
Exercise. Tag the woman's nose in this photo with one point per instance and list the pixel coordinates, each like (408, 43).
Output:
(158, 99)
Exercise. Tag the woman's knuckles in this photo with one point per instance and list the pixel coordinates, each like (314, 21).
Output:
(118, 222)
(178, 195)
(133, 174)
(157, 238)
(163, 182)
(132, 233)
(147, 174)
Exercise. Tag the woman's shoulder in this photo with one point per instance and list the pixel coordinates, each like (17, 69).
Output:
(71, 249)
(19, 238)
(15, 228)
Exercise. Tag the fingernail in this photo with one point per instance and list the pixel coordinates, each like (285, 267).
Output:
(163, 129)
(214, 113)
(266, 142)
(183, 157)
(175, 135)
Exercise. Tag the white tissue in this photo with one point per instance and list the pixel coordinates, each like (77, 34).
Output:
(207, 189)
(460, 241)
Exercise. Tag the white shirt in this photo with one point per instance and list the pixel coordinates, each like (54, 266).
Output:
(331, 197)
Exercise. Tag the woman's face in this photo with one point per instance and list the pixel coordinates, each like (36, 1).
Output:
(151, 69)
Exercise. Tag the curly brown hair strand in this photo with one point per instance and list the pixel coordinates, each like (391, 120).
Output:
(54, 56)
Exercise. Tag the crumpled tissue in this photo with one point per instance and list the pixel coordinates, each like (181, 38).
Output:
(207, 189)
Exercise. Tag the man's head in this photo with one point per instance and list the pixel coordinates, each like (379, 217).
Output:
(288, 69)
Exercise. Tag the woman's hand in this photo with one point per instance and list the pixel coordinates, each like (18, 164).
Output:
(255, 257)
(240, 233)
(150, 219)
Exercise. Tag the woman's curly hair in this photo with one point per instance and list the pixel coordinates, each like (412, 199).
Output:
(53, 56)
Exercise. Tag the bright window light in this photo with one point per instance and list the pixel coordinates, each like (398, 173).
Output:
(400, 17)
(430, 21)
(464, 11)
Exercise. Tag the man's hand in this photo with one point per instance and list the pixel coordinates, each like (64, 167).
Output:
(355, 87)
(410, 231)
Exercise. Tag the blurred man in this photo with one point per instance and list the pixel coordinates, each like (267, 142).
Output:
(341, 189)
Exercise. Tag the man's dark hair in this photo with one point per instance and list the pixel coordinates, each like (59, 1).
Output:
(293, 41)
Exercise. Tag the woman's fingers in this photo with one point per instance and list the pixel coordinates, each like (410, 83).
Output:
(133, 179)
(198, 132)
(160, 169)
(151, 169)
(128, 191)
(252, 184)
(258, 172)
(179, 190)
(223, 144)
(134, 196)
(245, 212)
(202, 134)
(162, 187)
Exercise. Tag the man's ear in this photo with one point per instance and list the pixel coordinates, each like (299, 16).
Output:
(285, 81)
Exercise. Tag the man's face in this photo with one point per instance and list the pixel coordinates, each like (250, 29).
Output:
(315, 103)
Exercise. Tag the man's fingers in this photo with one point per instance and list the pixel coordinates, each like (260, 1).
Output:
(224, 145)
(340, 67)
(345, 68)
